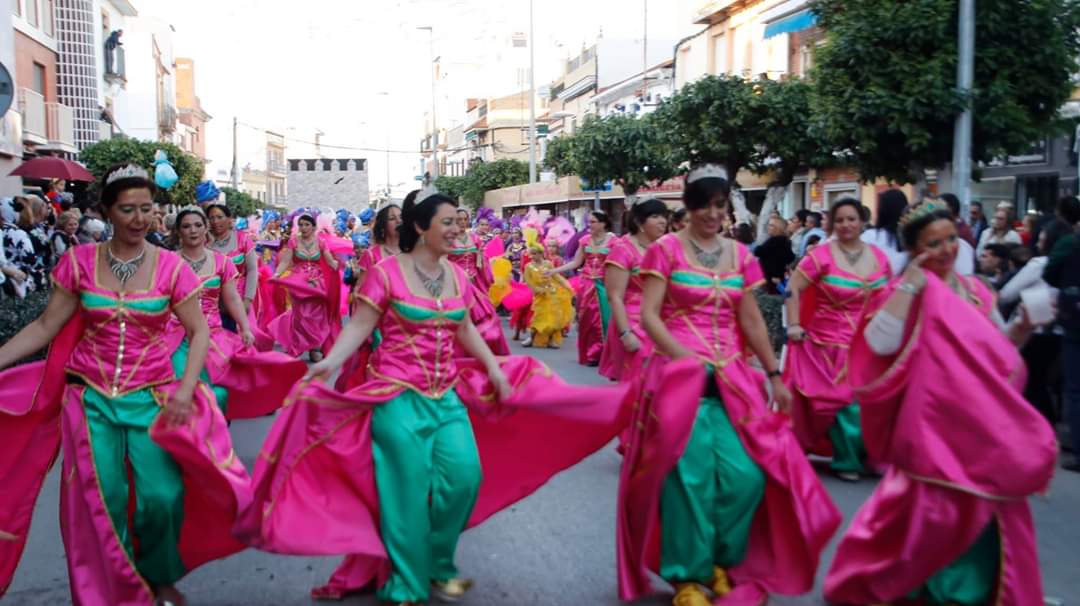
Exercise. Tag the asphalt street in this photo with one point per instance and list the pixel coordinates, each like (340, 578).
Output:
(555, 548)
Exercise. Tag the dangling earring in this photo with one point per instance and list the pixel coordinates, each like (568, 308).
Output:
(423, 242)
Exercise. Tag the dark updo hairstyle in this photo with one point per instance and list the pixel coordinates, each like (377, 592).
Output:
(890, 207)
(678, 216)
(1054, 230)
(602, 217)
(415, 216)
(842, 202)
(909, 233)
(382, 219)
(223, 208)
(744, 234)
(306, 217)
(643, 211)
(1068, 208)
(110, 193)
(700, 193)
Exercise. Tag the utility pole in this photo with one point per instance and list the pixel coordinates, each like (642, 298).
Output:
(645, 55)
(532, 98)
(434, 124)
(235, 157)
(965, 79)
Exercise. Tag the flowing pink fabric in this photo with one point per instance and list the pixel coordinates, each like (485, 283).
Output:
(795, 520)
(955, 370)
(315, 484)
(257, 381)
(494, 248)
(354, 370)
(314, 319)
(831, 309)
(47, 412)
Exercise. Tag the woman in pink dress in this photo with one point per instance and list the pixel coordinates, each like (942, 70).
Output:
(150, 484)
(309, 275)
(627, 342)
(940, 383)
(834, 287)
(393, 471)
(714, 492)
(468, 255)
(247, 383)
(240, 250)
(591, 297)
(385, 233)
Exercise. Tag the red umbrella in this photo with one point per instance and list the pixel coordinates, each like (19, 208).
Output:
(51, 167)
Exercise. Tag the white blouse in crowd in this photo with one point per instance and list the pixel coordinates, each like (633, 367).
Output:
(965, 257)
(1029, 276)
(988, 237)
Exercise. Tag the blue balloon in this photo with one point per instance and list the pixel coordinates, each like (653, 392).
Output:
(206, 192)
(242, 223)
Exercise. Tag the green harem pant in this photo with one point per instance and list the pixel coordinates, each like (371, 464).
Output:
(708, 501)
(119, 435)
(427, 472)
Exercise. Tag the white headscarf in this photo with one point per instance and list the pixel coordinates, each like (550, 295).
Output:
(7, 210)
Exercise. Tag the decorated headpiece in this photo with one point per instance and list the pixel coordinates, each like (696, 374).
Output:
(191, 208)
(366, 216)
(922, 209)
(129, 171)
(707, 171)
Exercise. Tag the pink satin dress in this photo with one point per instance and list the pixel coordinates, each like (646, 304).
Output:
(796, 517)
(255, 382)
(592, 305)
(616, 363)
(471, 260)
(832, 309)
(965, 452)
(316, 490)
(112, 352)
(308, 323)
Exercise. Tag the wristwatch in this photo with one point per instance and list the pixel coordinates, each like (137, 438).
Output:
(774, 373)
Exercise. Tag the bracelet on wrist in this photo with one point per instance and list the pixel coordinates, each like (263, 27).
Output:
(624, 333)
(774, 373)
(909, 288)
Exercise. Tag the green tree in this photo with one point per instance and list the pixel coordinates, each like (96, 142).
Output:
(486, 176)
(453, 186)
(557, 157)
(885, 79)
(714, 120)
(625, 149)
(240, 203)
(103, 155)
(789, 138)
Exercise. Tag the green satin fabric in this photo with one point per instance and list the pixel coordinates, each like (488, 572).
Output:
(118, 436)
(708, 501)
(179, 363)
(849, 453)
(971, 579)
(427, 472)
(605, 306)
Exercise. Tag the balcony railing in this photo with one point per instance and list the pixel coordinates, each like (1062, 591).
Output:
(116, 68)
(61, 125)
(167, 118)
(32, 108)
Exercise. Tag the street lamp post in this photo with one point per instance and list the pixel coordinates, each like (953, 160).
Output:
(434, 125)
(387, 123)
(965, 78)
(532, 98)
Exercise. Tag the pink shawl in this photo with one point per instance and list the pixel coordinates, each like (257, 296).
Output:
(795, 520)
(315, 480)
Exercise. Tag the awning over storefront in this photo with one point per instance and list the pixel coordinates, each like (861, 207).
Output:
(789, 25)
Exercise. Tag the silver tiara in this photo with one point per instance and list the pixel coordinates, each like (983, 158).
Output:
(127, 172)
(707, 171)
(194, 209)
